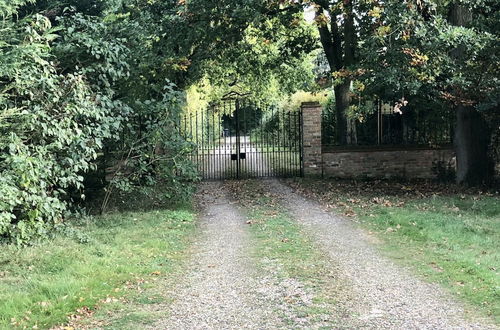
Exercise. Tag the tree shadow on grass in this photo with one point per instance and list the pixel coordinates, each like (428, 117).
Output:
(141, 200)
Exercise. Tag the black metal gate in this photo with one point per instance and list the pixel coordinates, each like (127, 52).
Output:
(238, 139)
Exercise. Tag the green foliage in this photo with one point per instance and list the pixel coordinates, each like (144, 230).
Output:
(51, 129)
(9, 7)
(295, 100)
(414, 53)
(75, 103)
(150, 150)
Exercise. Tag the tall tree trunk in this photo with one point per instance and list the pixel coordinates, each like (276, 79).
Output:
(472, 135)
(339, 46)
(342, 102)
(471, 146)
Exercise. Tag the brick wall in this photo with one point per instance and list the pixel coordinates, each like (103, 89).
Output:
(384, 163)
(369, 162)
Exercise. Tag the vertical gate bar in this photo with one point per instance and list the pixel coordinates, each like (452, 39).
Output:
(286, 132)
(280, 143)
(203, 145)
(258, 151)
(301, 141)
(191, 132)
(248, 145)
(231, 141)
(227, 166)
(287, 139)
(292, 149)
(235, 170)
(248, 117)
(277, 171)
(214, 165)
(264, 143)
(197, 145)
(294, 146)
(273, 163)
(260, 148)
(255, 154)
(284, 165)
(295, 143)
(251, 116)
(290, 132)
(209, 160)
(227, 169)
(220, 141)
(283, 143)
(233, 165)
(211, 148)
(215, 149)
(244, 164)
(287, 153)
(268, 150)
(207, 143)
(237, 139)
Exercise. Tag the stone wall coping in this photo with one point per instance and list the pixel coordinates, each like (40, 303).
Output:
(310, 105)
(352, 148)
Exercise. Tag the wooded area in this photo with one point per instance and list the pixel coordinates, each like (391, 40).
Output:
(92, 91)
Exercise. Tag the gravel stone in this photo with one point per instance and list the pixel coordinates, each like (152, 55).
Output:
(220, 289)
(224, 289)
(383, 295)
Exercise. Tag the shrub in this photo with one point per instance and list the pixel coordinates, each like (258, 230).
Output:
(51, 128)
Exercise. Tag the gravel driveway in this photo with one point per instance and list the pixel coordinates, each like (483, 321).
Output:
(222, 288)
(386, 295)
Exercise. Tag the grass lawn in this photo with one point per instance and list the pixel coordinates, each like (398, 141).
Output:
(103, 260)
(446, 234)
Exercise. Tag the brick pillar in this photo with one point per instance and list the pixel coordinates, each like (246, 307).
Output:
(311, 132)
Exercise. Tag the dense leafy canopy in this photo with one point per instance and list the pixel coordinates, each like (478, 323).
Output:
(91, 92)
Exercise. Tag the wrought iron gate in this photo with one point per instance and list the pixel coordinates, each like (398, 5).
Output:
(238, 139)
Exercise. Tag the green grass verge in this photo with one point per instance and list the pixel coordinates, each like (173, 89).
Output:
(447, 235)
(281, 244)
(44, 284)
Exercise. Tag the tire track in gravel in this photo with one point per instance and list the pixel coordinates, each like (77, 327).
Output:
(219, 289)
(385, 296)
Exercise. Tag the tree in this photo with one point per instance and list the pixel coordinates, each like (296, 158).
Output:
(445, 55)
(339, 38)
(472, 134)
